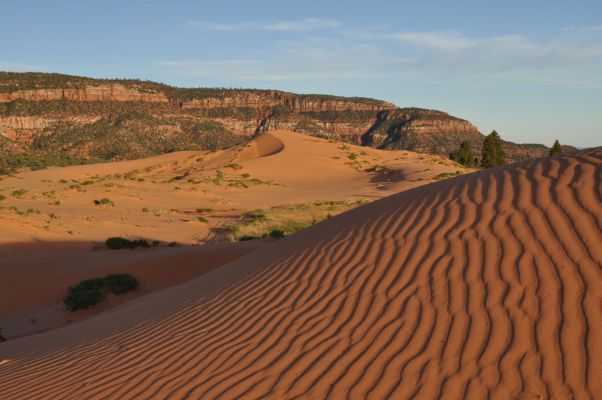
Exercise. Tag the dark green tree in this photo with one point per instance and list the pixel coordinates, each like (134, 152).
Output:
(464, 155)
(493, 151)
(556, 148)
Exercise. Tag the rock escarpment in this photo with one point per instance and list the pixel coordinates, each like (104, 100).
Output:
(87, 119)
(420, 130)
(101, 92)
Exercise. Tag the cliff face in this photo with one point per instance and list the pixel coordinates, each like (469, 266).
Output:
(420, 130)
(81, 117)
(102, 92)
(294, 103)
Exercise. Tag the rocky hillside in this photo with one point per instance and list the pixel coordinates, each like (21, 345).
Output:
(49, 119)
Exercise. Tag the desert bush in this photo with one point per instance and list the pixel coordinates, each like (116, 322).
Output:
(2, 197)
(27, 212)
(118, 243)
(104, 202)
(85, 294)
(277, 234)
(19, 193)
(92, 291)
(219, 177)
(202, 219)
(120, 283)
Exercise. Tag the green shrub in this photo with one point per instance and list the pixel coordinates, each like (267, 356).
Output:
(118, 243)
(2, 197)
(77, 299)
(92, 291)
(29, 211)
(234, 166)
(219, 177)
(104, 202)
(120, 283)
(277, 234)
(202, 219)
(85, 294)
(19, 193)
(464, 155)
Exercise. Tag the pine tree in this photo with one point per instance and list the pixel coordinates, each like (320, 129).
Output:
(464, 155)
(556, 148)
(493, 152)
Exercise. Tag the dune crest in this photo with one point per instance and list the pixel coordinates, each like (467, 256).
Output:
(486, 285)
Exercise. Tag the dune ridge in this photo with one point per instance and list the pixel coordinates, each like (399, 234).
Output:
(485, 285)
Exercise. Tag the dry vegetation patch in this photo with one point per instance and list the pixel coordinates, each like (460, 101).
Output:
(284, 220)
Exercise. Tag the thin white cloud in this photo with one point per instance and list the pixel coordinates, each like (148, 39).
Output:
(583, 29)
(571, 60)
(513, 47)
(221, 26)
(13, 66)
(313, 59)
(434, 40)
(205, 63)
(306, 24)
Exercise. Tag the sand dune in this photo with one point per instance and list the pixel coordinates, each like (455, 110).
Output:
(53, 233)
(156, 198)
(486, 285)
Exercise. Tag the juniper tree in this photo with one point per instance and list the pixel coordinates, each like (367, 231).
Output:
(464, 155)
(493, 152)
(556, 148)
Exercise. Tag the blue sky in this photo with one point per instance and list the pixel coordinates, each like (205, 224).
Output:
(532, 70)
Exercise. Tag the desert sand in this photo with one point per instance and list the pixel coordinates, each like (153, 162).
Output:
(487, 285)
(33, 286)
(53, 234)
(158, 198)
